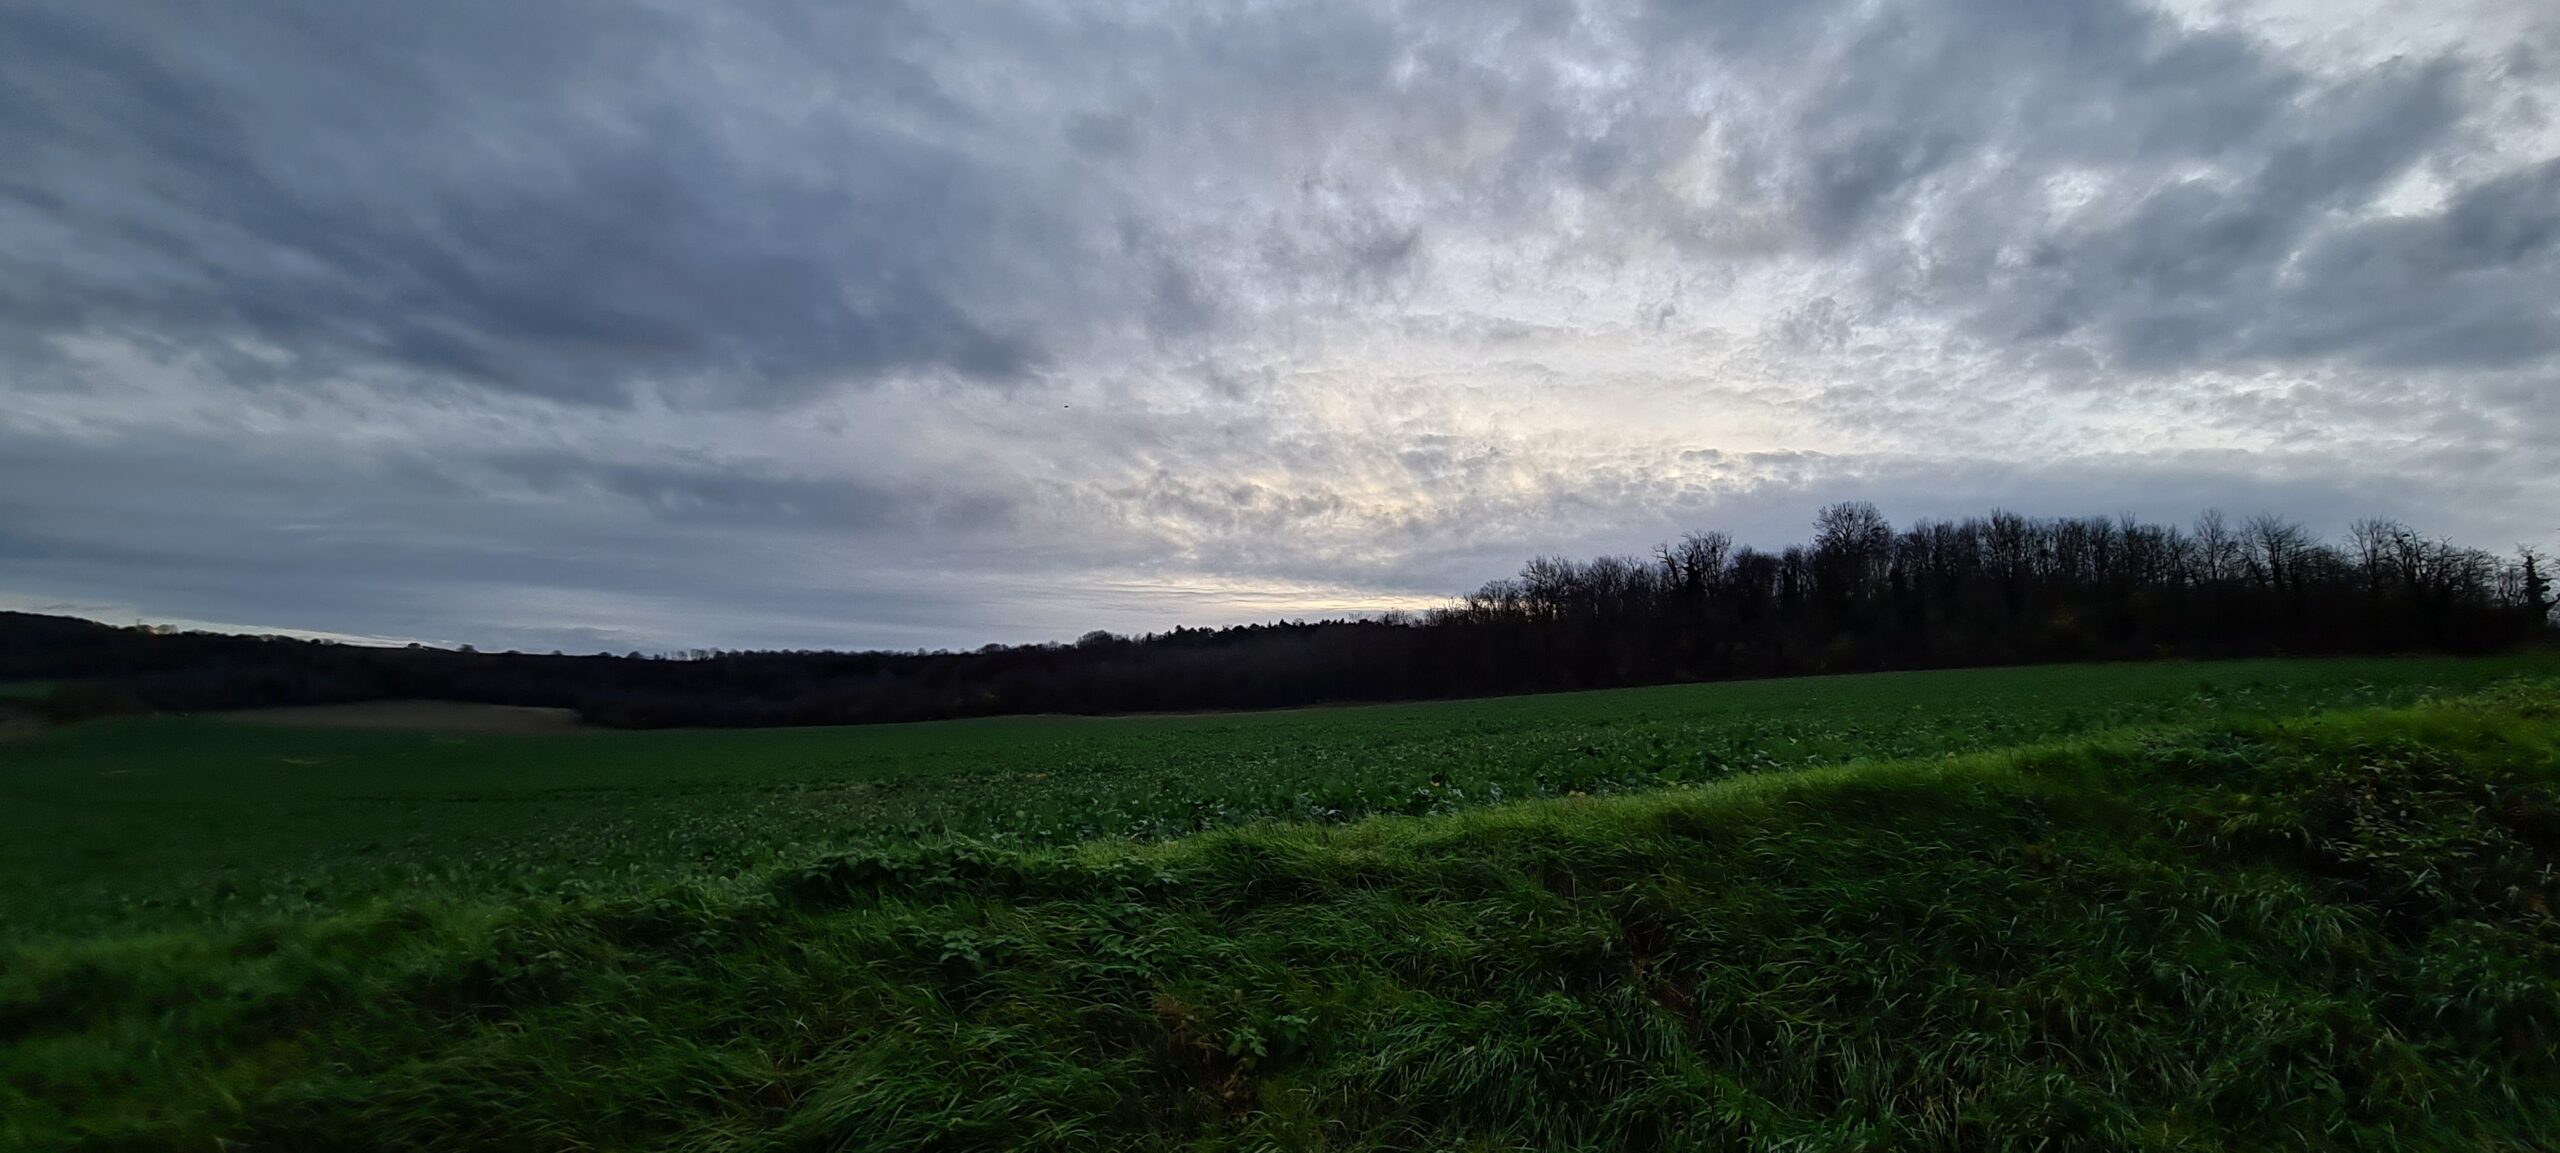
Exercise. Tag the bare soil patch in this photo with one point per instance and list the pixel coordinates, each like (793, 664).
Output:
(18, 722)
(415, 716)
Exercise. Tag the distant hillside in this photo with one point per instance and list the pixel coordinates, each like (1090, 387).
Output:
(1862, 596)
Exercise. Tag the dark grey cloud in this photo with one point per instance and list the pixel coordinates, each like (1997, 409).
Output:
(2476, 284)
(527, 198)
(2230, 211)
(2213, 267)
(784, 321)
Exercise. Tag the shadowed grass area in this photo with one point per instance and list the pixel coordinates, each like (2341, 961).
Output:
(2324, 932)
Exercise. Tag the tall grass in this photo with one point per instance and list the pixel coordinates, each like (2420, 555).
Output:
(2334, 932)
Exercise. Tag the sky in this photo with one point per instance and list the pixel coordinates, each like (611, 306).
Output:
(657, 325)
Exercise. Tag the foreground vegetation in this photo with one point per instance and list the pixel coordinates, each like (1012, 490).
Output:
(2224, 930)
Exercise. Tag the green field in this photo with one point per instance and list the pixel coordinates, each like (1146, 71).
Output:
(2166, 906)
(156, 821)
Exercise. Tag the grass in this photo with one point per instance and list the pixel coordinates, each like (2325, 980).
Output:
(25, 690)
(119, 825)
(2232, 931)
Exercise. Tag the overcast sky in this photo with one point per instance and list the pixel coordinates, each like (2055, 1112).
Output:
(632, 325)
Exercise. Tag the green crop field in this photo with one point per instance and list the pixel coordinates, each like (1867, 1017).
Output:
(153, 821)
(2270, 904)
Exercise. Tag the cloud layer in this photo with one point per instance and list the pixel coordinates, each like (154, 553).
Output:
(628, 325)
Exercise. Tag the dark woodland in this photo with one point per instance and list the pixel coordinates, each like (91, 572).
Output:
(1860, 596)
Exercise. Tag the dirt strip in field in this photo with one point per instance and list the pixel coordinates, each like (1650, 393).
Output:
(415, 716)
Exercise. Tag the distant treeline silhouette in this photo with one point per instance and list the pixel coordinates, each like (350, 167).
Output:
(1999, 589)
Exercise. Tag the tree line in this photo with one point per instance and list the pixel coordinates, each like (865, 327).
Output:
(1861, 595)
